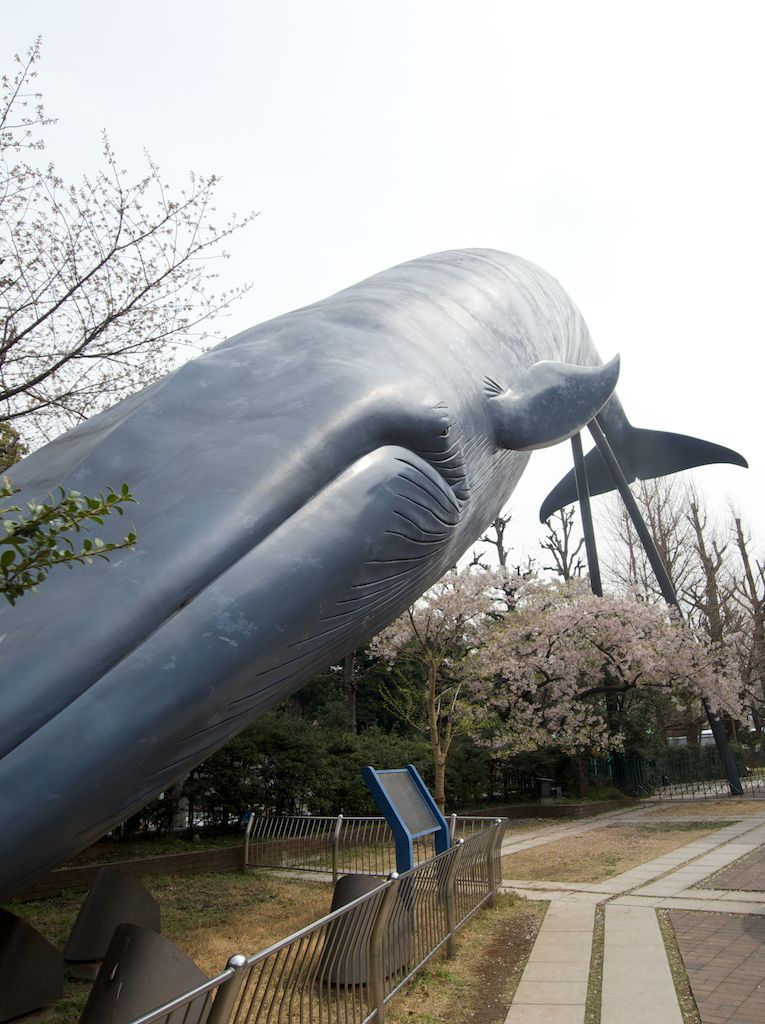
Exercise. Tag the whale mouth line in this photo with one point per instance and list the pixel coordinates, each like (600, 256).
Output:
(451, 466)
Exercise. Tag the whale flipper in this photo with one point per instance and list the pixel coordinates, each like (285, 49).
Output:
(549, 402)
(643, 455)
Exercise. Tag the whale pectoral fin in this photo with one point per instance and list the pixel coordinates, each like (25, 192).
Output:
(411, 517)
(643, 455)
(550, 402)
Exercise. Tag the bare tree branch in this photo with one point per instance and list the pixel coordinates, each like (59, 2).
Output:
(100, 280)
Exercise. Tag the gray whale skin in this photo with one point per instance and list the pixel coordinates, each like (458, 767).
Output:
(299, 486)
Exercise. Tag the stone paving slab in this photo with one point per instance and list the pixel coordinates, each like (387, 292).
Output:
(728, 894)
(551, 993)
(527, 1013)
(733, 907)
(637, 982)
(553, 986)
(564, 948)
(707, 864)
(725, 960)
(747, 873)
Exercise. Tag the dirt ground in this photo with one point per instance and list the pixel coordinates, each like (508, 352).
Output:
(603, 853)
(477, 987)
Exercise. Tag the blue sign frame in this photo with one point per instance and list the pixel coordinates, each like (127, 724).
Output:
(402, 833)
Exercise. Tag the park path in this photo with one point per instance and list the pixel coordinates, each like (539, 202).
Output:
(719, 925)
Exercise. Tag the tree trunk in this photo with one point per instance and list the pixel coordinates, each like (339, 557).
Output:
(439, 793)
(756, 600)
(350, 689)
(439, 749)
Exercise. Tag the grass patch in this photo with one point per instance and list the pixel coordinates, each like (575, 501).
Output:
(688, 1007)
(477, 987)
(737, 807)
(108, 851)
(209, 916)
(595, 981)
(533, 824)
(601, 793)
(601, 854)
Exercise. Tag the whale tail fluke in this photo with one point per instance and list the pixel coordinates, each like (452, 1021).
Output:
(643, 455)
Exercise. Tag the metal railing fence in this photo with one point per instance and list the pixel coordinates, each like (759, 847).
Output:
(339, 844)
(344, 968)
(680, 773)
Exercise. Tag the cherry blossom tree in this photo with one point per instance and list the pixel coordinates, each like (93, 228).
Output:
(749, 596)
(547, 674)
(432, 644)
(715, 574)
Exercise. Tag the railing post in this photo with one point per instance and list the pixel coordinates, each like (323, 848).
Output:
(450, 898)
(247, 834)
(375, 962)
(491, 862)
(335, 845)
(452, 826)
(225, 997)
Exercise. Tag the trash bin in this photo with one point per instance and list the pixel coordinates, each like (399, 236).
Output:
(544, 786)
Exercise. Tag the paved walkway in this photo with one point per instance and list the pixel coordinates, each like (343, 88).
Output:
(702, 884)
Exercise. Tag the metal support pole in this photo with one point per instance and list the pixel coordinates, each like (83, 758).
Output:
(227, 993)
(583, 492)
(668, 592)
(335, 845)
(641, 528)
(376, 962)
(491, 859)
(452, 826)
(450, 898)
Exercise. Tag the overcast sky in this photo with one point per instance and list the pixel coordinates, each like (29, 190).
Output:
(619, 146)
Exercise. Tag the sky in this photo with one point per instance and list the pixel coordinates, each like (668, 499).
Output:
(619, 146)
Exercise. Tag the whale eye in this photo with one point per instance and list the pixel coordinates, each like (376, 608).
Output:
(444, 432)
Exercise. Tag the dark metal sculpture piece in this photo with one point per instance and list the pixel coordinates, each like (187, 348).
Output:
(642, 455)
(344, 959)
(114, 898)
(141, 971)
(299, 485)
(583, 494)
(31, 969)
(669, 594)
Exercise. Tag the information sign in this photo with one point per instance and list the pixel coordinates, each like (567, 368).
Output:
(409, 809)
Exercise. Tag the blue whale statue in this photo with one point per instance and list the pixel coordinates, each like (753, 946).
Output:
(299, 486)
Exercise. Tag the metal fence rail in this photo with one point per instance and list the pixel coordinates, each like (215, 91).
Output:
(340, 845)
(680, 773)
(344, 968)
